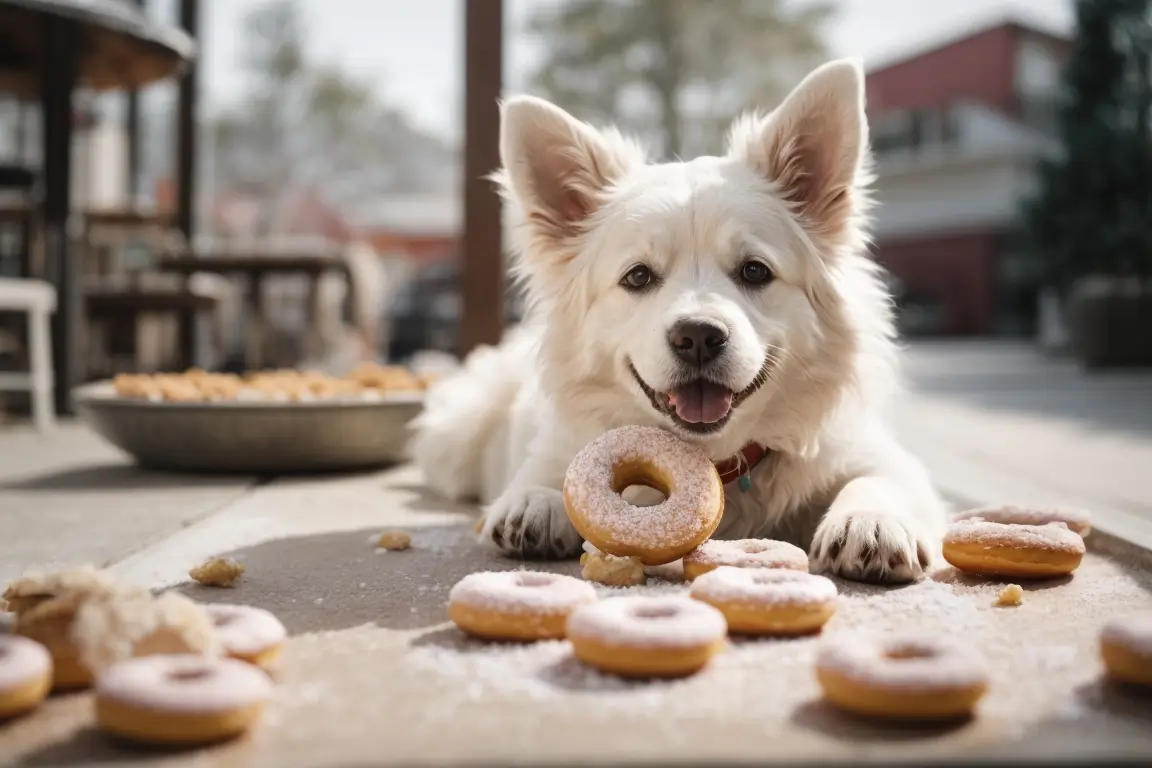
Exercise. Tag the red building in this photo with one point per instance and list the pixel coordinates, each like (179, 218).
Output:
(957, 131)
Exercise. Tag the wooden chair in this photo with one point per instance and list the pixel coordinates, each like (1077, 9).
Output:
(127, 301)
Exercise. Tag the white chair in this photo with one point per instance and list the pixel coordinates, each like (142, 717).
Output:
(37, 299)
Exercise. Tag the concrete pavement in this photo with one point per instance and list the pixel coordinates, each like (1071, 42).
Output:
(998, 422)
(993, 420)
(372, 674)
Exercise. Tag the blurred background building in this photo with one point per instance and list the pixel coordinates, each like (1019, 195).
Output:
(337, 125)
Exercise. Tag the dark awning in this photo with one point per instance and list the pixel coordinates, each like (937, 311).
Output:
(120, 47)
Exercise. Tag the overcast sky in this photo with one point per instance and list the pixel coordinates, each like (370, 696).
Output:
(413, 48)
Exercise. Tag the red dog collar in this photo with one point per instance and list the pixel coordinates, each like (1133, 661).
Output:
(736, 467)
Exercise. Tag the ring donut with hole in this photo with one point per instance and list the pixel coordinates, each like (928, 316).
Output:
(180, 699)
(902, 678)
(643, 456)
(767, 601)
(516, 605)
(246, 633)
(25, 675)
(643, 637)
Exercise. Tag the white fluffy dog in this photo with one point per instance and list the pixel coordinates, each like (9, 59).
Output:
(727, 299)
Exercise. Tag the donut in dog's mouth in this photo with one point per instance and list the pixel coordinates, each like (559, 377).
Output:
(700, 405)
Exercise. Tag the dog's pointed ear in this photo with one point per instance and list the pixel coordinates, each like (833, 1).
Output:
(556, 167)
(813, 146)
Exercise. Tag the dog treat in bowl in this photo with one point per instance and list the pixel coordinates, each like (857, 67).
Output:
(218, 572)
(645, 456)
(1024, 551)
(369, 381)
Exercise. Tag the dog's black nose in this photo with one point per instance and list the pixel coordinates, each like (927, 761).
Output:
(697, 342)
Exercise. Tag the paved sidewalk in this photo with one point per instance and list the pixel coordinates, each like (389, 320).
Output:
(998, 422)
(373, 674)
(70, 498)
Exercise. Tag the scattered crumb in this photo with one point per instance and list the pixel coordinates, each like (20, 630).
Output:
(611, 570)
(1011, 595)
(478, 526)
(394, 540)
(218, 572)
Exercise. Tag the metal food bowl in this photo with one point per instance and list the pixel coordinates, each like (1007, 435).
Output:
(253, 437)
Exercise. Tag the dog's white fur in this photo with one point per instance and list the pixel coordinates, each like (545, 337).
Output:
(791, 193)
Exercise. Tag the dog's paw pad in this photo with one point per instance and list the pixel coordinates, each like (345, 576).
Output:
(870, 546)
(532, 523)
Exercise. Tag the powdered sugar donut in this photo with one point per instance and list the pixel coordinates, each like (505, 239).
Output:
(744, 553)
(516, 605)
(694, 496)
(1077, 520)
(25, 675)
(647, 636)
(180, 699)
(902, 678)
(767, 601)
(1025, 551)
(1126, 647)
(249, 634)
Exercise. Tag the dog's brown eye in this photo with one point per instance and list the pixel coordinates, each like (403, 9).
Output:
(638, 278)
(755, 273)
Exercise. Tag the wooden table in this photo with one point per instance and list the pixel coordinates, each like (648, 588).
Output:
(255, 267)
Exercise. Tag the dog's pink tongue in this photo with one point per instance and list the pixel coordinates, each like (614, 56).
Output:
(701, 402)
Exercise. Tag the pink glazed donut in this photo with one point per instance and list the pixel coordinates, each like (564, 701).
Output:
(249, 634)
(744, 553)
(180, 699)
(25, 675)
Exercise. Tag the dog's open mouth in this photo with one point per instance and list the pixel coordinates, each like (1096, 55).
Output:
(700, 405)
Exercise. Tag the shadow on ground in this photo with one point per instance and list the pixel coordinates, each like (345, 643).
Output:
(338, 580)
(110, 477)
(819, 716)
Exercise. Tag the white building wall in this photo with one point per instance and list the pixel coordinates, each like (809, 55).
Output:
(976, 181)
(954, 197)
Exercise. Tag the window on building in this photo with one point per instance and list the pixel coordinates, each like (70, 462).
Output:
(913, 130)
(1037, 84)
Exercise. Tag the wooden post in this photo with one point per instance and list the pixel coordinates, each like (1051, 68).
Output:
(132, 119)
(186, 162)
(482, 275)
(58, 45)
(186, 126)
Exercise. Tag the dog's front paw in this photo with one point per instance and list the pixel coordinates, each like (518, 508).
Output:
(871, 546)
(531, 523)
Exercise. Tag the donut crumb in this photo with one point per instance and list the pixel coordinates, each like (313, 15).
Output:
(394, 540)
(612, 571)
(218, 572)
(1011, 595)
